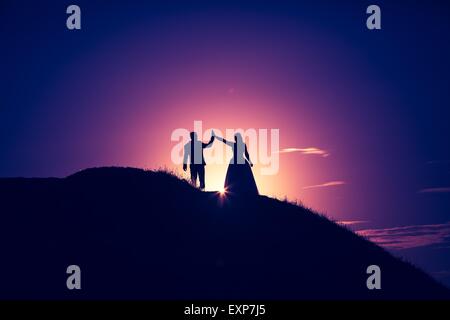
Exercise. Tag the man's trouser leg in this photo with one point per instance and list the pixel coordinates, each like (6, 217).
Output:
(201, 176)
(194, 172)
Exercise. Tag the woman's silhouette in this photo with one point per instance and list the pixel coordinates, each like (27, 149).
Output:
(239, 179)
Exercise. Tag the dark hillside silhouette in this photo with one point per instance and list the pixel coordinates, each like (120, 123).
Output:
(148, 235)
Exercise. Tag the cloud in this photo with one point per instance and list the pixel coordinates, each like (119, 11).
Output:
(438, 162)
(308, 151)
(409, 236)
(441, 273)
(351, 222)
(434, 190)
(326, 184)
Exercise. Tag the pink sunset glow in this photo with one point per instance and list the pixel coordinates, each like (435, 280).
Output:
(125, 112)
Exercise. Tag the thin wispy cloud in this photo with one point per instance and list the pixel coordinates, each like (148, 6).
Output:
(438, 162)
(306, 151)
(410, 236)
(441, 273)
(434, 190)
(325, 185)
(352, 222)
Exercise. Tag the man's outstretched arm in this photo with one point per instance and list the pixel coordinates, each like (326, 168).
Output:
(209, 144)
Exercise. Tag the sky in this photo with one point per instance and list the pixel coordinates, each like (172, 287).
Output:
(363, 116)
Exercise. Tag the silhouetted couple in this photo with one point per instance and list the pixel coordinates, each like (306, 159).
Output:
(239, 179)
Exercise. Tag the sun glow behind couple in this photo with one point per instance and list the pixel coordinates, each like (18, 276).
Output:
(243, 148)
(239, 178)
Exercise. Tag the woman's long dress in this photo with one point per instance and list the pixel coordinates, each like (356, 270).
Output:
(239, 179)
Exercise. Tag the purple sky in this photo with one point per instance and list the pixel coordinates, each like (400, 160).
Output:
(112, 93)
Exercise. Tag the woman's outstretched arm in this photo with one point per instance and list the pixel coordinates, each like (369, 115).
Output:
(229, 143)
(247, 155)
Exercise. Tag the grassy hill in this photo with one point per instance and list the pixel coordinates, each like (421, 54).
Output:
(148, 235)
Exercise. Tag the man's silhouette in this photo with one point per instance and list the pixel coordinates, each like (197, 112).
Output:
(194, 150)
